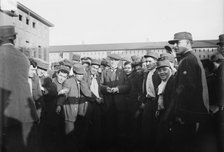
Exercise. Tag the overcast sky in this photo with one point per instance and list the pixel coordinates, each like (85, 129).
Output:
(122, 21)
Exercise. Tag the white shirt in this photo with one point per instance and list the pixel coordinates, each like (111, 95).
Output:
(95, 87)
(149, 84)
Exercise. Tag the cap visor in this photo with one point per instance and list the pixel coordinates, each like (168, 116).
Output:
(173, 41)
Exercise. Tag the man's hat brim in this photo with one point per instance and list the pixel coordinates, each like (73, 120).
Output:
(173, 41)
(219, 43)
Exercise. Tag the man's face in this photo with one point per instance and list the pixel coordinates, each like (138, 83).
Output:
(127, 69)
(138, 68)
(32, 71)
(61, 77)
(221, 49)
(79, 77)
(181, 46)
(94, 69)
(41, 72)
(164, 73)
(150, 63)
(114, 63)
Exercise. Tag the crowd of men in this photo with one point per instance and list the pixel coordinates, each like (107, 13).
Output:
(171, 101)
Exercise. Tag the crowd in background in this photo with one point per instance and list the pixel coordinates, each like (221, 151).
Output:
(171, 101)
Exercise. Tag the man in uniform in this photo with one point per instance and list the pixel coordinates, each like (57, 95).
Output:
(219, 114)
(18, 108)
(190, 94)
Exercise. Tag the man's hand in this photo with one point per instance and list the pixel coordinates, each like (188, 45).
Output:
(58, 109)
(99, 100)
(63, 91)
(109, 90)
(115, 90)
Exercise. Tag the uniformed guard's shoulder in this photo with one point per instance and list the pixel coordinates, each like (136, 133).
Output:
(191, 59)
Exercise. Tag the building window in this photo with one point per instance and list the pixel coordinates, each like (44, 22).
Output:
(45, 54)
(34, 24)
(27, 21)
(39, 52)
(20, 17)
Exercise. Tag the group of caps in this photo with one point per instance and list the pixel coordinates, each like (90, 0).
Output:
(8, 32)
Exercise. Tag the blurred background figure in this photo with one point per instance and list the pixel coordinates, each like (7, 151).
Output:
(19, 112)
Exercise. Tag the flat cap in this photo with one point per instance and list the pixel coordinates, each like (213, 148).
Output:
(95, 62)
(76, 57)
(79, 69)
(66, 62)
(65, 68)
(152, 54)
(54, 64)
(114, 56)
(167, 56)
(42, 64)
(181, 36)
(221, 39)
(7, 32)
(217, 57)
(163, 63)
(168, 48)
(87, 60)
(104, 62)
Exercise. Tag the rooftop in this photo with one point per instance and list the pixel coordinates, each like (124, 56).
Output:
(33, 14)
(125, 46)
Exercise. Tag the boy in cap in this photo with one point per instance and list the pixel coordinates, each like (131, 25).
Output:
(147, 98)
(191, 93)
(75, 89)
(164, 106)
(51, 121)
(18, 108)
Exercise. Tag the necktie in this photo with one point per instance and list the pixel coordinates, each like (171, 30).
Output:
(94, 87)
(113, 75)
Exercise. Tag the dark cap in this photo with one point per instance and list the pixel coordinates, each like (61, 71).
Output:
(65, 68)
(136, 63)
(7, 32)
(152, 54)
(95, 62)
(168, 48)
(104, 62)
(221, 39)
(181, 36)
(143, 60)
(76, 57)
(54, 64)
(87, 60)
(79, 69)
(163, 63)
(114, 56)
(66, 62)
(167, 56)
(42, 64)
(217, 57)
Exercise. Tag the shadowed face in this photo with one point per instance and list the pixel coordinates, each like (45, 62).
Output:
(94, 69)
(181, 46)
(150, 63)
(61, 77)
(221, 49)
(127, 69)
(114, 63)
(79, 77)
